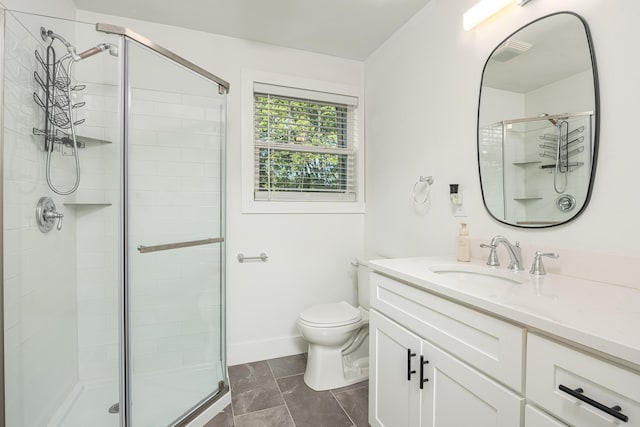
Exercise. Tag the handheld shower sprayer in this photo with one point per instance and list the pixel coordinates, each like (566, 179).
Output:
(93, 51)
(58, 104)
(113, 51)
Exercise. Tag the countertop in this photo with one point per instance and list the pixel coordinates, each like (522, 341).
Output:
(597, 315)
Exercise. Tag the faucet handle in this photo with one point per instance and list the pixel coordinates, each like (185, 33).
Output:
(537, 268)
(492, 260)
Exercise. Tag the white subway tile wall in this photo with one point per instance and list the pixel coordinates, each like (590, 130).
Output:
(41, 348)
(98, 236)
(174, 186)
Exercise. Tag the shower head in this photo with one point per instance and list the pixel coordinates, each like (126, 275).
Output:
(553, 121)
(50, 35)
(113, 51)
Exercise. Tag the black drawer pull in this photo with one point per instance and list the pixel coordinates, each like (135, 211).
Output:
(422, 378)
(613, 411)
(409, 371)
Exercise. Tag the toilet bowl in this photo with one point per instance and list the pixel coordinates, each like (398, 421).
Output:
(338, 337)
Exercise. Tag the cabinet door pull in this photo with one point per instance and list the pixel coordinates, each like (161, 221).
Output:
(410, 354)
(422, 378)
(614, 411)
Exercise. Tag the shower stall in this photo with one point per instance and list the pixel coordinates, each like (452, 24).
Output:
(113, 281)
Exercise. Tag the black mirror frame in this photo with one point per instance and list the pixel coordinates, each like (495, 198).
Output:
(596, 134)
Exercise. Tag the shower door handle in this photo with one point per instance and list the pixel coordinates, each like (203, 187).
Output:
(168, 246)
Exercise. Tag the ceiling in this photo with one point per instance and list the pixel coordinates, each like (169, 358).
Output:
(345, 28)
(560, 50)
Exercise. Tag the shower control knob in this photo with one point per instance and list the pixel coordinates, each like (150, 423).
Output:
(53, 216)
(47, 216)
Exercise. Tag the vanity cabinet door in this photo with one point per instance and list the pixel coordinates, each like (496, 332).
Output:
(534, 417)
(457, 395)
(491, 345)
(394, 352)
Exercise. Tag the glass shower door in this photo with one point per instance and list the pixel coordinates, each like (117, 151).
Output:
(174, 228)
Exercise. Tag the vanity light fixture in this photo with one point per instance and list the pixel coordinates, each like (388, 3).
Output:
(484, 9)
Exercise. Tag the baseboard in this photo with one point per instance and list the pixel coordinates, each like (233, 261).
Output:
(253, 351)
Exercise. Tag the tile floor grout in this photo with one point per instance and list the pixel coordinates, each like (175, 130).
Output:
(353, 424)
(291, 381)
(282, 394)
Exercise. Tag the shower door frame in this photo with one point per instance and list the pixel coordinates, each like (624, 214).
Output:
(125, 371)
(2, 29)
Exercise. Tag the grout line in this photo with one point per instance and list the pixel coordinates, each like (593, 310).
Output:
(354, 388)
(342, 407)
(286, 405)
(233, 413)
(258, 411)
(289, 376)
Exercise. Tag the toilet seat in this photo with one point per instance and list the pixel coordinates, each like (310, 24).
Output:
(331, 315)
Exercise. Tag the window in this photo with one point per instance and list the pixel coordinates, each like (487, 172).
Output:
(304, 145)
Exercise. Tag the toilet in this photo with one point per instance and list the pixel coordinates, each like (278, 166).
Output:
(338, 337)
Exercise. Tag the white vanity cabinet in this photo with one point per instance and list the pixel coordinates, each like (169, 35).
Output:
(418, 384)
(452, 353)
(416, 381)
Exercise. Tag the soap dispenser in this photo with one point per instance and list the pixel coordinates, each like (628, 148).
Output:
(463, 250)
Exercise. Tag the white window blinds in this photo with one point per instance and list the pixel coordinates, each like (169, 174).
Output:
(304, 145)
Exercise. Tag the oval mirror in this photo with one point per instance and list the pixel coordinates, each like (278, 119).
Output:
(538, 123)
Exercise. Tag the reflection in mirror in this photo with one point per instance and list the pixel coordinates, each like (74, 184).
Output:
(537, 123)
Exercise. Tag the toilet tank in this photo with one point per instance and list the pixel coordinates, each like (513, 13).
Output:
(363, 284)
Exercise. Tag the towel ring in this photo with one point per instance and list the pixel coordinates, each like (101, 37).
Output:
(427, 181)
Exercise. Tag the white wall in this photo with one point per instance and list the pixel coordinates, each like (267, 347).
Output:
(309, 254)
(421, 100)
(57, 8)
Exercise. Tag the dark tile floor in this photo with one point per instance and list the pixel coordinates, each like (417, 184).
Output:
(272, 393)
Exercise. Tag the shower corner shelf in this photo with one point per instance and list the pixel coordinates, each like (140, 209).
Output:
(90, 204)
(526, 162)
(86, 141)
(527, 198)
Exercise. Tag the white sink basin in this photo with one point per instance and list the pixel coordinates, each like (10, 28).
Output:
(474, 274)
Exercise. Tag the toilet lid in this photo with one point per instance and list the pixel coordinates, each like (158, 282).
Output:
(335, 314)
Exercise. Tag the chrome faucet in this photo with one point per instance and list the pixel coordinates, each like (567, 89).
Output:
(515, 253)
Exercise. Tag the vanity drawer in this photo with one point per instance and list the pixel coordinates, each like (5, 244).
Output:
(551, 365)
(533, 417)
(489, 344)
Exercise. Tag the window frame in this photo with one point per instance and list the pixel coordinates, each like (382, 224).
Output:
(297, 202)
